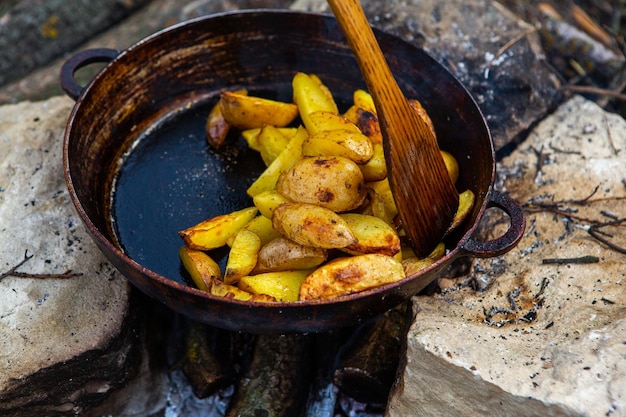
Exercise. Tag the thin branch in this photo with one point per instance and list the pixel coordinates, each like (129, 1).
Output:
(13, 272)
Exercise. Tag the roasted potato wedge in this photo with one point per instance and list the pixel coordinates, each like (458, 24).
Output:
(281, 286)
(243, 255)
(312, 225)
(271, 143)
(324, 121)
(451, 165)
(263, 228)
(216, 231)
(332, 182)
(376, 168)
(216, 126)
(367, 122)
(220, 289)
(351, 274)
(285, 160)
(345, 143)
(311, 97)
(251, 136)
(267, 201)
(364, 100)
(201, 267)
(373, 234)
(282, 254)
(248, 112)
(383, 190)
(413, 265)
(466, 202)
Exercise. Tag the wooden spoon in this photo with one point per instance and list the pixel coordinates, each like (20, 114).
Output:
(423, 191)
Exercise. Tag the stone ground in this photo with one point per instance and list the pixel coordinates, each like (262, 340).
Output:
(512, 335)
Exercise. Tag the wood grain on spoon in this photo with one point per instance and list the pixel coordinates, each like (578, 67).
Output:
(424, 194)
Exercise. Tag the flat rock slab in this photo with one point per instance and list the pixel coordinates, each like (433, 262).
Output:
(61, 340)
(547, 333)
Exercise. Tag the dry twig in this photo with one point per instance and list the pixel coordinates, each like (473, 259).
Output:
(14, 273)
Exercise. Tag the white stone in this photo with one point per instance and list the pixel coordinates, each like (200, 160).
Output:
(46, 322)
(571, 359)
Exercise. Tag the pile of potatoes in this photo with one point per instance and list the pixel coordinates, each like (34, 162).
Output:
(322, 220)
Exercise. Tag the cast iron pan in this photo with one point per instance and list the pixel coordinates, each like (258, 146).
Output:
(138, 168)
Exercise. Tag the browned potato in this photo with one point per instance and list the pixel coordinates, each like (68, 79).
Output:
(376, 168)
(216, 231)
(348, 275)
(285, 160)
(367, 122)
(216, 126)
(311, 225)
(364, 100)
(310, 96)
(243, 255)
(373, 235)
(282, 254)
(267, 201)
(413, 265)
(220, 289)
(333, 182)
(324, 121)
(248, 112)
(281, 286)
(271, 143)
(466, 202)
(200, 266)
(451, 165)
(348, 144)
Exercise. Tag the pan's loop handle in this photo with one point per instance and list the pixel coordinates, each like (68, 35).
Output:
(80, 60)
(509, 239)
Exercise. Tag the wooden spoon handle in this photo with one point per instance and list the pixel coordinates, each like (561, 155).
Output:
(425, 195)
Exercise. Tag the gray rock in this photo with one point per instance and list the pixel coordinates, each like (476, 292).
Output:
(64, 343)
(34, 32)
(496, 55)
(542, 338)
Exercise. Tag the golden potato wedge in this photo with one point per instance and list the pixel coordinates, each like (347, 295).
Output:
(251, 136)
(220, 289)
(346, 143)
(413, 265)
(367, 122)
(310, 97)
(376, 168)
(284, 161)
(349, 275)
(267, 201)
(383, 190)
(271, 143)
(216, 126)
(373, 235)
(324, 88)
(215, 232)
(282, 286)
(262, 227)
(364, 100)
(451, 165)
(248, 112)
(242, 257)
(333, 182)
(466, 202)
(201, 267)
(323, 121)
(312, 225)
(282, 254)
